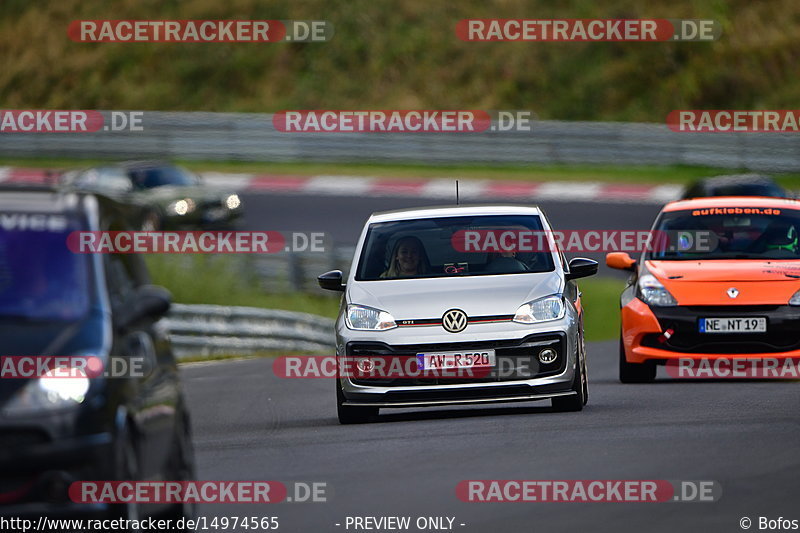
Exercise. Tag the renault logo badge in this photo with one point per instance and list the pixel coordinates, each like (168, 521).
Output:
(733, 292)
(454, 320)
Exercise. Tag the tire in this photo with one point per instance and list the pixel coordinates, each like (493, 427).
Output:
(634, 372)
(151, 221)
(183, 457)
(127, 469)
(580, 384)
(349, 414)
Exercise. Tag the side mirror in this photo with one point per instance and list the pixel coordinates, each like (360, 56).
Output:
(331, 281)
(149, 301)
(581, 267)
(620, 261)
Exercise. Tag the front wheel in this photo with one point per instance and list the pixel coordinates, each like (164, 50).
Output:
(183, 459)
(151, 221)
(349, 414)
(127, 469)
(580, 385)
(634, 372)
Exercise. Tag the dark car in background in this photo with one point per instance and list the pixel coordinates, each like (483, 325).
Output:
(133, 425)
(736, 185)
(160, 195)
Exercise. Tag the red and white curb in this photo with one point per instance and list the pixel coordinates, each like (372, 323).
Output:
(437, 188)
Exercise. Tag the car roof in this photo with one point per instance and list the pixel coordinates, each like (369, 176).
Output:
(135, 164)
(452, 211)
(732, 201)
(40, 199)
(739, 179)
(23, 198)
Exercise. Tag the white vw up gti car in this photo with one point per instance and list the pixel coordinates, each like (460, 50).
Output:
(445, 306)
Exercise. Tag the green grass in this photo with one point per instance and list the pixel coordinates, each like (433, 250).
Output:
(404, 54)
(601, 303)
(598, 173)
(223, 280)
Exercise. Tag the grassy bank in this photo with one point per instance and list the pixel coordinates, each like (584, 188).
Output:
(404, 54)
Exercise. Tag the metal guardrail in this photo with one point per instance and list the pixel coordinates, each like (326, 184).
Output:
(252, 137)
(298, 271)
(206, 330)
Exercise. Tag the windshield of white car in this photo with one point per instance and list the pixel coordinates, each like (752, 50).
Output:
(435, 247)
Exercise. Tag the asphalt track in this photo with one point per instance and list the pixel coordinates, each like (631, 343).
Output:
(251, 425)
(343, 217)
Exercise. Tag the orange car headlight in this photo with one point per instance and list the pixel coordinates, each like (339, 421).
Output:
(652, 292)
(795, 300)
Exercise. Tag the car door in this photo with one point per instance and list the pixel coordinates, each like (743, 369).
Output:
(153, 396)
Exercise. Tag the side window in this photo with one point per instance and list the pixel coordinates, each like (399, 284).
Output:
(120, 282)
(561, 256)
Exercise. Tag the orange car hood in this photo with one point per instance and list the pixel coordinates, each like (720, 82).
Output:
(708, 282)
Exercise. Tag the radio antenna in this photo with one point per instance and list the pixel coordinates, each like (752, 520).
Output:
(457, 202)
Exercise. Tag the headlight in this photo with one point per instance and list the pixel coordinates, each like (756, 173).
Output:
(181, 207)
(795, 300)
(652, 292)
(49, 392)
(233, 201)
(541, 310)
(367, 318)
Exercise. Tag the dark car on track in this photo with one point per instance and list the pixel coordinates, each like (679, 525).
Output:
(130, 425)
(736, 185)
(159, 195)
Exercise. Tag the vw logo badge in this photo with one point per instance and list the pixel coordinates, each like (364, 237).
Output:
(454, 320)
(733, 292)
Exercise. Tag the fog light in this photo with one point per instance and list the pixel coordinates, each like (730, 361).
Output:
(547, 356)
(365, 365)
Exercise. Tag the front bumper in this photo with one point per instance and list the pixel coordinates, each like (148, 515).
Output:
(519, 375)
(37, 471)
(643, 331)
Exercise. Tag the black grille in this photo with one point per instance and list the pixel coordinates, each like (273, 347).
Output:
(783, 330)
(516, 359)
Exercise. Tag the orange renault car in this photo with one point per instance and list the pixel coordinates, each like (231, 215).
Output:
(725, 279)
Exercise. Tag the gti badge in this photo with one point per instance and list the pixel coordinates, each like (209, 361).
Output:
(454, 320)
(733, 292)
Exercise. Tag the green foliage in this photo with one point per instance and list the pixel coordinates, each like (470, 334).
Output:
(403, 54)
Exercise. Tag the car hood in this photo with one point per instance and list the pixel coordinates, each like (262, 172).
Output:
(167, 194)
(728, 282)
(726, 270)
(475, 295)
